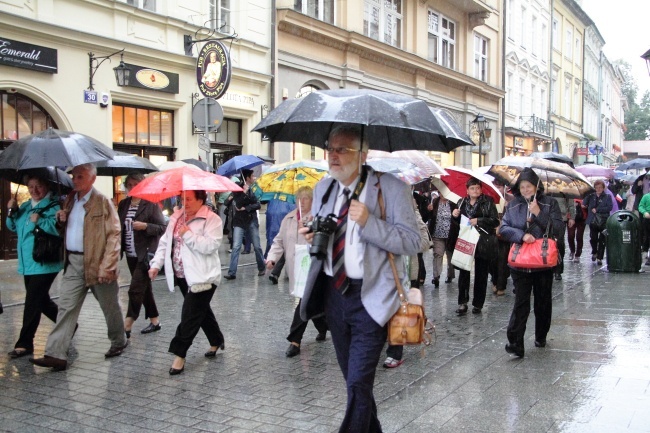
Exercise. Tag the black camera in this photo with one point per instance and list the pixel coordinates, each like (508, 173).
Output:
(322, 227)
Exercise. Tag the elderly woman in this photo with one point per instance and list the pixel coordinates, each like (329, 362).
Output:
(526, 219)
(444, 236)
(481, 213)
(39, 211)
(598, 205)
(285, 243)
(142, 225)
(189, 250)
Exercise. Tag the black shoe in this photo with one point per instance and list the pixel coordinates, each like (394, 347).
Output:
(15, 354)
(448, 280)
(292, 351)
(176, 371)
(273, 279)
(540, 343)
(436, 282)
(261, 273)
(321, 336)
(213, 353)
(462, 310)
(246, 252)
(47, 361)
(593, 257)
(116, 351)
(128, 334)
(476, 310)
(599, 262)
(151, 328)
(229, 277)
(558, 277)
(514, 349)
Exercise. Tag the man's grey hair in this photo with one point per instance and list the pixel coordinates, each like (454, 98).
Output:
(349, 129)
(90, 168)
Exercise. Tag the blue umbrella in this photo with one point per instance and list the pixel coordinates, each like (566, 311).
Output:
(239, 163)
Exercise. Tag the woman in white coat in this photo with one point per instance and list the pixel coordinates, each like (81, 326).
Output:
(285, 243)
(189, 251)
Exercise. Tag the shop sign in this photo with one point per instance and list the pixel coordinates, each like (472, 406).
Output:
(583, 151)
(153, 79)
(213, 70)
(28, 56)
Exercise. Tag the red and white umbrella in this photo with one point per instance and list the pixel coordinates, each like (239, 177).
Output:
(452, 186)
(173, 182)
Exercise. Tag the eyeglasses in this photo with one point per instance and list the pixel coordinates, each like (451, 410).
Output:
(341, 150)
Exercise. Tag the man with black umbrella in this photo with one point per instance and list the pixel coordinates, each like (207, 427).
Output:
(90, 226)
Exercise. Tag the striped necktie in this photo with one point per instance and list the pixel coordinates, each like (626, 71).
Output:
(338, 251)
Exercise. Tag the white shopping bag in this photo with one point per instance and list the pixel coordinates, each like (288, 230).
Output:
(463, 257)
(300, 270)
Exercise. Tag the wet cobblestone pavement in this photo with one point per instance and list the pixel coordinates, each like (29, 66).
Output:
(593, 376)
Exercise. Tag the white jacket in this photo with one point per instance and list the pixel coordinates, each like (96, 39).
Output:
(200, 249)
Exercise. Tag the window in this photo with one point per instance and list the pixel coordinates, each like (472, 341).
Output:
(20, 117)
(568, 43)
(542, 103)
(148, 5)
(554, 95)
(544, 42)
(383, 21)
(522, 99)
(556, 34)
(576, 102)
(509, 93)
(578, 50)
(442, 40)
(533, 35)
(523, 27)
(220, 13)
(566, 110)
(322, 10)
(533, 100)
(142, 126)
(480, 57)
(229, 131)
(510, 19)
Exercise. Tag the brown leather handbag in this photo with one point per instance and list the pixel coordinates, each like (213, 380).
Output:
(409, 325)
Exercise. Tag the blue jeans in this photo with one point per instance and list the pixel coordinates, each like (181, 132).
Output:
(253, 233)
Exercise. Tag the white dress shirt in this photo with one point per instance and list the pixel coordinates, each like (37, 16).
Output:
(74, 234)
(354, 248)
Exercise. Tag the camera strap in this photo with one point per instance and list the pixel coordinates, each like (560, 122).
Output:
(355, 195)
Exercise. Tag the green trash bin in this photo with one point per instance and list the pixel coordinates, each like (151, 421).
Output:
(623, 242)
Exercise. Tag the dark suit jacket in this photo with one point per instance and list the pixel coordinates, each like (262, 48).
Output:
(145, 240)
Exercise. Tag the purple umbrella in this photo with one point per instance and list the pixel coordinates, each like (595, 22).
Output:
(593, 170)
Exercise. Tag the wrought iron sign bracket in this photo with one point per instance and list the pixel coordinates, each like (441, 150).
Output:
(205, 34)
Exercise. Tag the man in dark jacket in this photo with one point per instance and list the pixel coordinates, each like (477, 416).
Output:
(640, 187)
(245, 223)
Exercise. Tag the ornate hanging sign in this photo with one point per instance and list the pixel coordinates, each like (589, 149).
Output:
(213, 70)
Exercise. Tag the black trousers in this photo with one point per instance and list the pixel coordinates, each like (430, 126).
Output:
(481, 270)
(37, 301)
(140, 291)
(499, 270)
(196, 314)
(576, 235)
(540, 284)
(277, 269)
(422, 271)
(561, 249)
(298, 327)
(597, 242)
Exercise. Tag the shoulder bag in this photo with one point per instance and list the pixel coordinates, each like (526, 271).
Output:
(409, 325)
(541, 254)
(48, 248)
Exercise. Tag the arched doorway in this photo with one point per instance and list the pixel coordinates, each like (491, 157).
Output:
(20, 116)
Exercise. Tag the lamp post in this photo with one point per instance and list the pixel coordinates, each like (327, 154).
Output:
(122, 72)
(484, 132)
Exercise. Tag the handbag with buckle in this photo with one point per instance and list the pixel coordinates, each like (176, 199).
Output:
(541, 254)
(409, 325)
(48, 248)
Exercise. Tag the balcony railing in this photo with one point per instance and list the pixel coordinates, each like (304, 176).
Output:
(535, 124)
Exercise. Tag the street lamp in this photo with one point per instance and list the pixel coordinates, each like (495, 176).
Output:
(646, 57)
(122, 72)
(484, 132)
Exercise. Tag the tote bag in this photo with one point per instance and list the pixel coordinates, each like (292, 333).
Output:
(463, 256)
(300, 270)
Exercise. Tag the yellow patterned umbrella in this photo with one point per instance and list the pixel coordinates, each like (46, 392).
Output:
(281, 181)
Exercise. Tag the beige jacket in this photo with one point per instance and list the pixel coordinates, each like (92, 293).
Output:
(102, 237)
(285, 242)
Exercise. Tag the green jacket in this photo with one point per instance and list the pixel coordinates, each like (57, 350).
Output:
(644, 204)
(21, 223)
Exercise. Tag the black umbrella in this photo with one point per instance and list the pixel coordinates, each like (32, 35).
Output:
(390, 122)
(53, 147)
(635, 163)
(200, 164)
(552, 156)
(123, 164)
(58, 179)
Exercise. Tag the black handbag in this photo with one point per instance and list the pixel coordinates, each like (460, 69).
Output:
(487, 246)
(598, 221)
(47, 248)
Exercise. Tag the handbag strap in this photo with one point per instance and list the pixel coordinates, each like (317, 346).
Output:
(391, 257)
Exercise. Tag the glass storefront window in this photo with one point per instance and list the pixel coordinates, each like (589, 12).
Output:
(9, 130)
(166, 134)
(154, 127)
(142, 126)
(118, 123)
(129, 125)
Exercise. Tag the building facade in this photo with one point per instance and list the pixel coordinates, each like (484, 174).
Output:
(527, 82)
(446, 53)
(592, 95)
(612, 118)
(152, 117)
